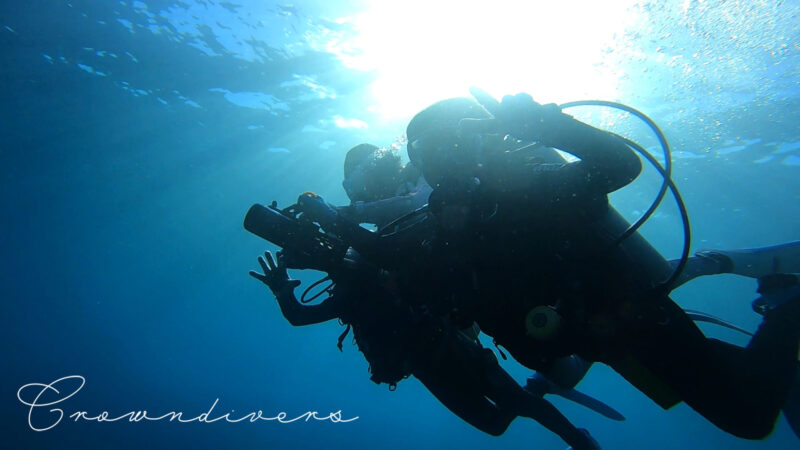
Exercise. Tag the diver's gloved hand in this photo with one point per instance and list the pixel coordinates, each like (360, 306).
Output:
(517, 115)
(317, 209)
(275, 276)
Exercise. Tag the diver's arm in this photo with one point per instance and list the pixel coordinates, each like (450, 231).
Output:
(298, 314)
(382, 212)
(378, 212)
(278, 281)
(606, 162)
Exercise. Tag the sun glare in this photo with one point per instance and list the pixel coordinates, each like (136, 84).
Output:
(424, 50)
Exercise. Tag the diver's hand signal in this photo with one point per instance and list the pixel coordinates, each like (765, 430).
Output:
(275, 275)
(486, 100)
(482, 126)
(517, 115)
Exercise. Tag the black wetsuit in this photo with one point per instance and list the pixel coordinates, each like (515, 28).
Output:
(608, 315)
(526, 236)
(398, 340)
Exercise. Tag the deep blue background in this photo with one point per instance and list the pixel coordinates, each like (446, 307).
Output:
(125, 179)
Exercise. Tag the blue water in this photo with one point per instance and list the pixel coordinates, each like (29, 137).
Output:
(135, 135)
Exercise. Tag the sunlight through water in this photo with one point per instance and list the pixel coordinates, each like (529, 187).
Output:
(551, 50)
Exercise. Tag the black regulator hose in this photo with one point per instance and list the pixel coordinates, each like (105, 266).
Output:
(687, 230)
(666, 174)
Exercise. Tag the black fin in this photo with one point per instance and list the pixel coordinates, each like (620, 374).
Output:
(792, 408)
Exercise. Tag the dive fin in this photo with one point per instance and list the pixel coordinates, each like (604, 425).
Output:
(792, 408)
(539, 385)
(591, 403)
(762, 261)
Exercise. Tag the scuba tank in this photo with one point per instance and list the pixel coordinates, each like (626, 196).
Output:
(646, 270)
(651, 268)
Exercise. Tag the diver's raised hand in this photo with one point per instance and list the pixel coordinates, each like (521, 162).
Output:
(516, 115)
(275, 275)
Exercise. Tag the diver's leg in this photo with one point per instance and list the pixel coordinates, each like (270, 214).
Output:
(749, 262)
(452, 375)
(562, 377)
(741, 390)
(469, 405)
(763, 261)
(538, 385)
(791, 410)
(702, 264)
(566, 372)
(510, 396)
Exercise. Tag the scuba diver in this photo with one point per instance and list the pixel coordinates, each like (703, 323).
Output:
(453, 216)
(761, 263)
(371, 182)
(398, 341)
(380, 188)
(369, 163)
(522, 247)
